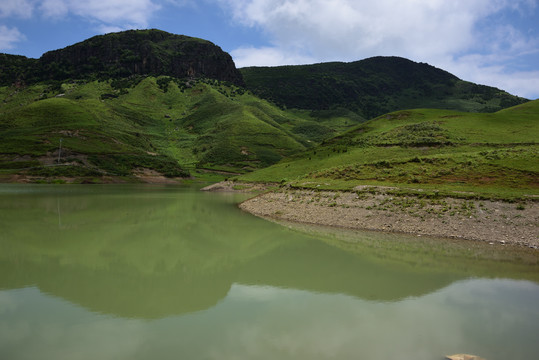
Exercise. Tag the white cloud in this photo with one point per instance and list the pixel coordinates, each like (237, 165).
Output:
(54, 8)
(137, 12)
(9, 36)
(522, 83)
(439, 32)
(489, 70)
(182, 3)
(266, 56)
(350, 29)
(105, 29)
(110, 14)
(16, 8)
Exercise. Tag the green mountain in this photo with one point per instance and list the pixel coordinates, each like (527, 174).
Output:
(495, 153)
(136, 101)
(129, 102)
(144, 102)
(134, 52)
(14, 68)
(372, 87)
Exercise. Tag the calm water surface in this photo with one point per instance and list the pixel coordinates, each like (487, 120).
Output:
(150, 272)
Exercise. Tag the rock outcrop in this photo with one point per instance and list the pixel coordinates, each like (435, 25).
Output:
(463, 357)
(133, 52)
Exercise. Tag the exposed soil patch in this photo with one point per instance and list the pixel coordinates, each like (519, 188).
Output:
(225, 186)
(72, 133)
(222, 172)
(150, 176)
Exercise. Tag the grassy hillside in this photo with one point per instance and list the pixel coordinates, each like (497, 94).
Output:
(494, 153)
(134, 102)
(372, 87)
(168, 125)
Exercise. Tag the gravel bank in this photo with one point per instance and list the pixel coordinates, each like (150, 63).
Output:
(490, 221)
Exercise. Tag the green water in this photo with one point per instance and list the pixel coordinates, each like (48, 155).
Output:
(153, 272)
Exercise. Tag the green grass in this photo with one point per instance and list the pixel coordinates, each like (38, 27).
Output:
(175, 127)
(204, 124)
(491, 154)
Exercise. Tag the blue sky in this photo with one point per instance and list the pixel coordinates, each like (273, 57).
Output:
(492, 42)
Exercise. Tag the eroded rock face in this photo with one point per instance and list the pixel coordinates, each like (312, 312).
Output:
(463, 357)
(133, 52)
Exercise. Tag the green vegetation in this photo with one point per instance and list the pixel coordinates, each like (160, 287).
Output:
(372, 87)
(123, 54)
(125, 103)
(170, 125)
(438, 151)
(176, 127)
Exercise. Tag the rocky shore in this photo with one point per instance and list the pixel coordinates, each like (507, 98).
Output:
(482, 220)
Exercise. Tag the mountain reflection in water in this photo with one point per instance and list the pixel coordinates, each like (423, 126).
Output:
(138, 272)
(151, 252)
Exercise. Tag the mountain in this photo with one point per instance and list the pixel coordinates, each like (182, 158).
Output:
(14, 68)
(144, 102)
(117, 55)
(372, 87)
(495, 153)
(137, 102)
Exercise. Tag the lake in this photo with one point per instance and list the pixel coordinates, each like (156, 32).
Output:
(170, 272)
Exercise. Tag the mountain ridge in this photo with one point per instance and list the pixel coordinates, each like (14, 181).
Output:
(146, 100)
(372, 87)
(123, 54)
(365, 88)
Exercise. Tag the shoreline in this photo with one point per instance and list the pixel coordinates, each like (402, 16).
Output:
(370, 208)
(141, 178)
(445, 217)
(239, 187)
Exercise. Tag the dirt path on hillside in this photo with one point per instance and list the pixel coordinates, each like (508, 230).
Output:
(490, 221)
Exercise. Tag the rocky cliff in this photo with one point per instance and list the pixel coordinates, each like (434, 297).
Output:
(133, 52)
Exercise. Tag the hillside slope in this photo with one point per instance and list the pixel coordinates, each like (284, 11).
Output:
(425, 148)
(372, 87)
(139, 101)
(120, 127)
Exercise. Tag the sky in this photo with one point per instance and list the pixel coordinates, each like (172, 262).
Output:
(490, 42)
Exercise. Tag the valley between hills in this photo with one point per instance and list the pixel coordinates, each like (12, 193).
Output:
(413, 144)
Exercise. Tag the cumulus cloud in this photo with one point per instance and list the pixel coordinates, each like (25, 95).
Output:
(108, 14)
(491, 71)
(9, 37)
(105, 29)
(350, 28)
(437, 31)
(267, 56)
(17, 8)
(54, 8)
